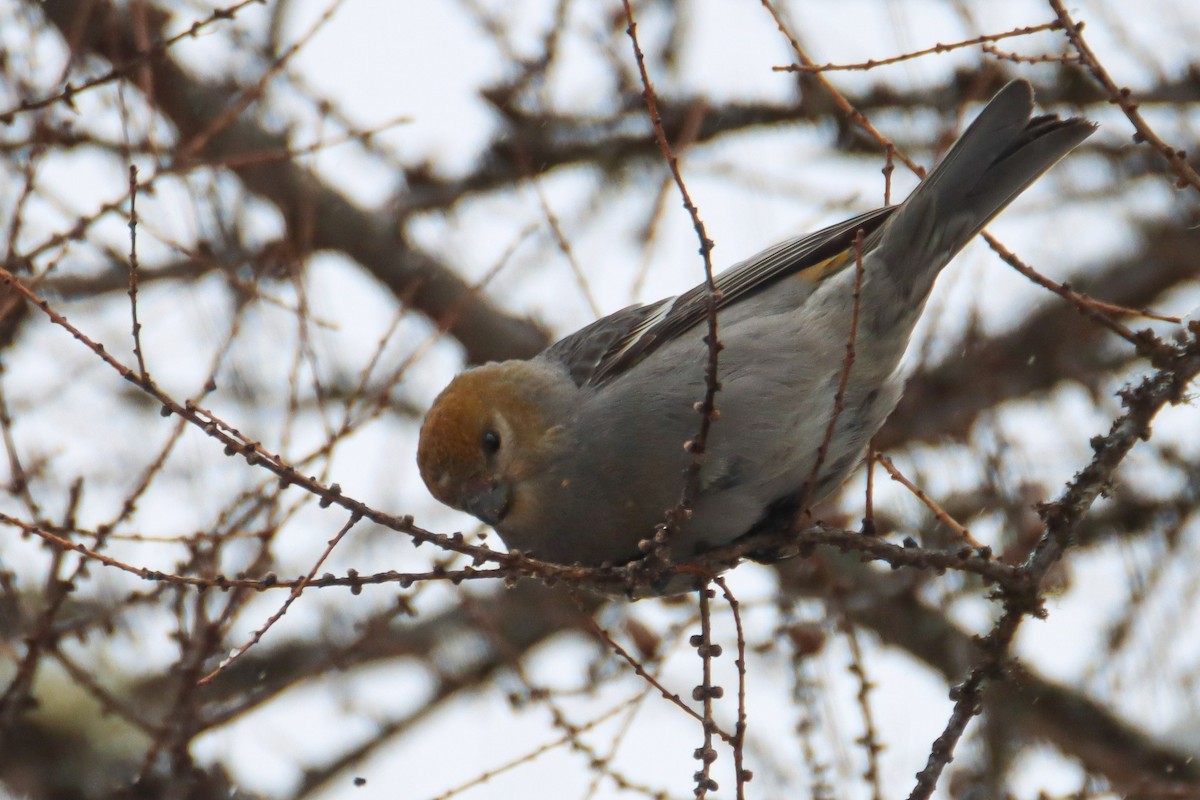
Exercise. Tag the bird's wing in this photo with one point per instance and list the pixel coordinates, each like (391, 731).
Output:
(586, 350)
(610, 346)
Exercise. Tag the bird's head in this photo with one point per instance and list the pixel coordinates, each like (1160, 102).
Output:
(484, 435)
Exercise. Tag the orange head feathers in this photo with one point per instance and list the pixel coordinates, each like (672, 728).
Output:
(466, 454)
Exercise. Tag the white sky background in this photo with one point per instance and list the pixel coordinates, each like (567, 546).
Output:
(427, 60)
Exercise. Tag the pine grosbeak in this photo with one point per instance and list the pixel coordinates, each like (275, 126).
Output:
(576, 455)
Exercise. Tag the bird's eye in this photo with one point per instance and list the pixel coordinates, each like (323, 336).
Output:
(491, 442)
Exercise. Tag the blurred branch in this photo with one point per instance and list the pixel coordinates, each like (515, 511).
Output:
(321, 218)
(1080, 727)
(318, 216)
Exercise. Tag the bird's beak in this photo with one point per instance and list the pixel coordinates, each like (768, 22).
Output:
(487, 501)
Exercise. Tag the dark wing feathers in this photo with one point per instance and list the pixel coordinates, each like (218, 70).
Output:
(610, 346)
(585, 350)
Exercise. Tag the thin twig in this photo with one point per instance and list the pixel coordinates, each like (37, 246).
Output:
(839, 397)
(705, 692)
(133, 274)
(1123, 98)
(292, 597)
(936, 49)
(741, 774)
(707, 407)
(939, 513)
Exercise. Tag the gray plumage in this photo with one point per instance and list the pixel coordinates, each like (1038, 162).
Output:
(614, 401)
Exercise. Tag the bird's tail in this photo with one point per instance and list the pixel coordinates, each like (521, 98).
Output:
(1001, 153)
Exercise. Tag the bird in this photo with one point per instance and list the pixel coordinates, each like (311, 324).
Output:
(577, 455)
